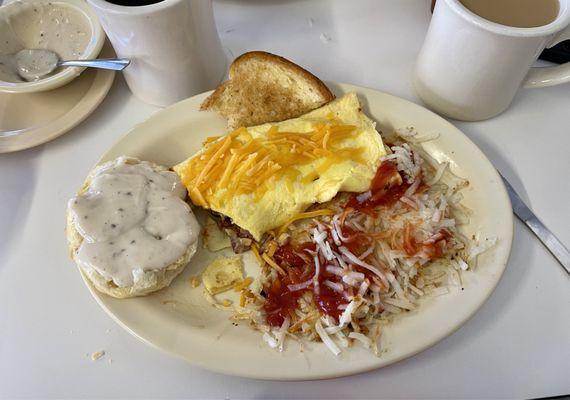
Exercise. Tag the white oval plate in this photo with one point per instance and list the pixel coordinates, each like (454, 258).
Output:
(180, 321)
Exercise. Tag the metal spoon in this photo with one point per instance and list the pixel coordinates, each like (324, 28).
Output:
(34, 64)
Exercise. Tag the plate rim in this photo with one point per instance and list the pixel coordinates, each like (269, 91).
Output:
(92, 98)
(343, 87)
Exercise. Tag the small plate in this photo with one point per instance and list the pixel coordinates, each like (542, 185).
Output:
(31, 119)
(180, 321)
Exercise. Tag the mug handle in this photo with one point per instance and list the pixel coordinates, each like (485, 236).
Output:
(550, 76)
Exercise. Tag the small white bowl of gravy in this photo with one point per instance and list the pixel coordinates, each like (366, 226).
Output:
(67, 27)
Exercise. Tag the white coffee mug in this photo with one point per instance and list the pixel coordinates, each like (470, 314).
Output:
(173, 45)
(470, 68)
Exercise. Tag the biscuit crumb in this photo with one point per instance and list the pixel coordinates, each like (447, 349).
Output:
(227, 302)
(97, 355)
(195, 281)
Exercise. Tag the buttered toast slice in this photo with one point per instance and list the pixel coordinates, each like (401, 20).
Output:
(263, 87)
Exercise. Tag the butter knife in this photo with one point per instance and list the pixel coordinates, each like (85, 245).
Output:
(555, 246)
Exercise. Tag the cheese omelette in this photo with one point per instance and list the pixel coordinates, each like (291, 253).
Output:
(262, 177)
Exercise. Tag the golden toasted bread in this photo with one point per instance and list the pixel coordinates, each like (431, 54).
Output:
(263, 87)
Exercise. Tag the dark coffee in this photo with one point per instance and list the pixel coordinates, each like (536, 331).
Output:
(133, 3)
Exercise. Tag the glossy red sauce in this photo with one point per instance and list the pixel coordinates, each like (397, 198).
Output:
(437, 249)
(328, 299)
(384, 175)
(281, 302)
(288, 256)
(299, 265)
(384, 190)
(432, 250)
(357, 241)
(423, 187)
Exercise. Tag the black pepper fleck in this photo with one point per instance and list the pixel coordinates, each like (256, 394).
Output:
(113, 225)
(133, 241)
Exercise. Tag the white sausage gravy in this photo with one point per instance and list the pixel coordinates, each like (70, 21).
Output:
(39, 25)
(132, 219)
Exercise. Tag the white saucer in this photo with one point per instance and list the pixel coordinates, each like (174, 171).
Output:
(31, 119)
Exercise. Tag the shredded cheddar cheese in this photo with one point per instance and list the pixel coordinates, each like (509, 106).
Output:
(271, 247)
(308, 214)
(273, 264)
(255, 251)
(239, 286)
(241, 164)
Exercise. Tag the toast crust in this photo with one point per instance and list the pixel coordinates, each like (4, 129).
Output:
(320, 87)
(264, 87)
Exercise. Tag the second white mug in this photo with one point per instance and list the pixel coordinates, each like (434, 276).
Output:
(470, 68)
(173, 45)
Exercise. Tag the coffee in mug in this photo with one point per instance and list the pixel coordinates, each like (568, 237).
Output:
(133, 3)
(173, 45)
(478, 53)
(517, 13)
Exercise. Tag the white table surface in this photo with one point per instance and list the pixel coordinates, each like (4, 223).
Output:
(517, 345)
